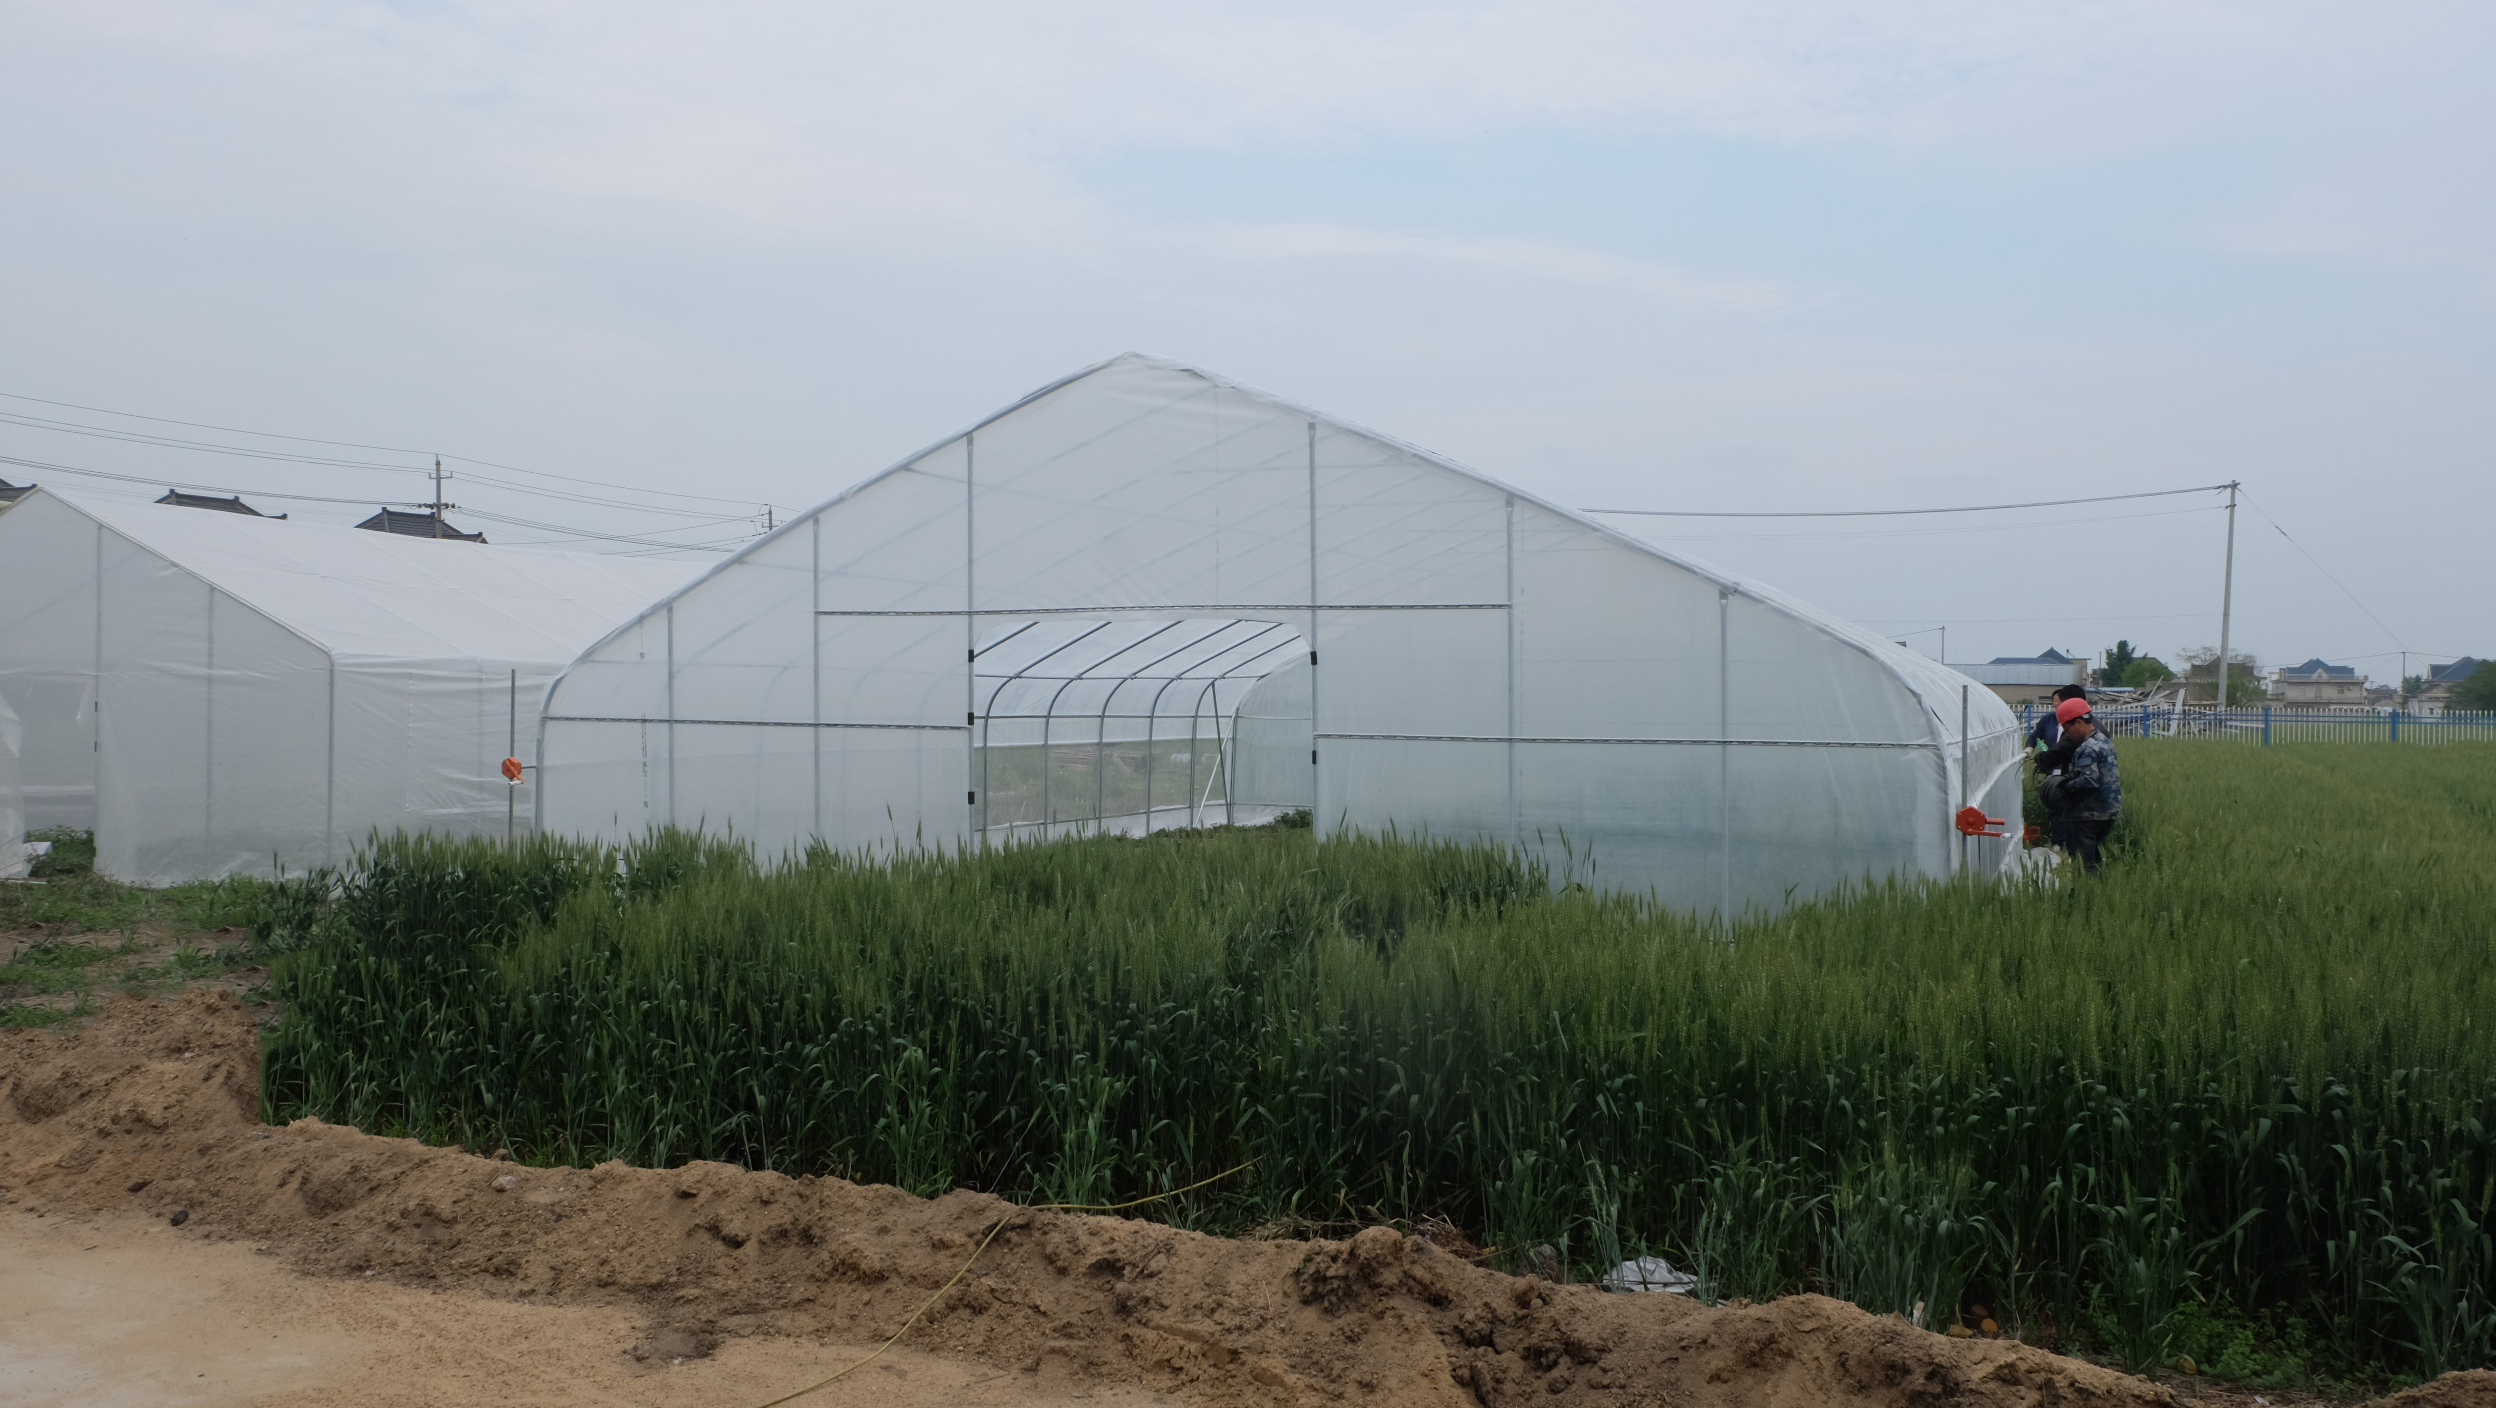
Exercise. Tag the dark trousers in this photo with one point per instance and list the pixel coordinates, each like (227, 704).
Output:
(2084, 839)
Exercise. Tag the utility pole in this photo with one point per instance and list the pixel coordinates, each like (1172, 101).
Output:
(2227, 590)
(440, 529)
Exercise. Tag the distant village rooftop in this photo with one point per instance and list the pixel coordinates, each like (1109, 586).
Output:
(409, 524)
(230, 504)
(2027, 679)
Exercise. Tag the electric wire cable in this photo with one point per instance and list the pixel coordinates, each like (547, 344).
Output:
(108, 432)
(1898, 512)
(720, 545)
(2319, 567)
(48, 467)
(1845, 536)
(201, 447)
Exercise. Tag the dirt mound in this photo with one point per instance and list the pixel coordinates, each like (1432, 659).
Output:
(2469, 1388)
(153, 1108)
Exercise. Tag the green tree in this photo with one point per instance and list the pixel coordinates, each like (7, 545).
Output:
(2119, 663)
(2412, 686)
(2147, 670)
(2478, 689)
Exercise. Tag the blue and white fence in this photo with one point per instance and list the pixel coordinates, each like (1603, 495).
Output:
(2267, 724)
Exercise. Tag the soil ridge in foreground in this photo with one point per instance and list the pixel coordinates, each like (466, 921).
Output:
(153, 1107)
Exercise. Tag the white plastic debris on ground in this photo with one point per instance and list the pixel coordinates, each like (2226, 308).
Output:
(1650, 1273)
(2038, 865)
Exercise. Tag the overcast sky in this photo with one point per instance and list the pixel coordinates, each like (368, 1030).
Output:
(1763, 256)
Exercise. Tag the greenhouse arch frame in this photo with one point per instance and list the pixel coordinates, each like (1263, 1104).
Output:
(954, 651)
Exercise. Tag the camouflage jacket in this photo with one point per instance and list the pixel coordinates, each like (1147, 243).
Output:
(2089, 787)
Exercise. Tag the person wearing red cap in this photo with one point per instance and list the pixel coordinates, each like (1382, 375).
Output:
(2087, 795)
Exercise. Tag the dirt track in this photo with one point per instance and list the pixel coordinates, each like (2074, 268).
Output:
(404, 1274)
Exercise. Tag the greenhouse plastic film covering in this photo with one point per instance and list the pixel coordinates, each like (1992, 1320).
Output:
(215, 693)
(1146, 597)
(13, 857)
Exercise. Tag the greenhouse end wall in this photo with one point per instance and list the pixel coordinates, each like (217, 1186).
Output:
(1467, 662)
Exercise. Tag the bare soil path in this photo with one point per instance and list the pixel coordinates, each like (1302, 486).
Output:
(118, 1310)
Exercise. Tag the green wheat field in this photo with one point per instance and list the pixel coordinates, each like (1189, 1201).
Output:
(2247, 1073)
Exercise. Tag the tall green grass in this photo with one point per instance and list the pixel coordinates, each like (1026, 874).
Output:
(2251, 1063)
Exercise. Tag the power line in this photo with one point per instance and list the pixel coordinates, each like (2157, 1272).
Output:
(49, 467)
(1897, 512)
(2319, 567)
(227, 429)
(1923, 532)
(62, 427)
(170, 442)
(604, 483)
(720, 546)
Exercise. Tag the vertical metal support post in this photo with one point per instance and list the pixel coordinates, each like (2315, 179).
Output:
(2266, 725)
(2396, 725)
(2227, 595)
(329, 775)
(95, 688)
(208, 721)
(671, 713)
(1963, 764)
(1195, 728)
(814, 657)
(511, 790)
(1516, 819)
(970, 644)
(1724, 756)
(1317, 794)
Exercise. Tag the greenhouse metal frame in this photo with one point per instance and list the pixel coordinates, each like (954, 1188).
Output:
(1020, 630)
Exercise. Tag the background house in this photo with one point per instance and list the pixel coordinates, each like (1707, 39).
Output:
(2437, 696)
(2317, 683)
(2027, 679)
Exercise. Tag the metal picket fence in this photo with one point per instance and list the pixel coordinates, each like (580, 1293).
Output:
(2269, 723)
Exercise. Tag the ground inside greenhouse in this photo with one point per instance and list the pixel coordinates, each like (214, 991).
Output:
(159, 1245)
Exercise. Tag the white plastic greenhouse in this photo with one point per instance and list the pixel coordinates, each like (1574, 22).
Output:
(1145, 597)
(215, 693)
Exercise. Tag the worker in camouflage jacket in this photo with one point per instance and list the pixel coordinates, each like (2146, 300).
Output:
(2087, 795)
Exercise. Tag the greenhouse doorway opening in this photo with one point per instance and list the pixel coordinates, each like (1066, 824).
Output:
(1118, 726)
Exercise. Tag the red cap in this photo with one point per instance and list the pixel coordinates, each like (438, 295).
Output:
(2070, 709)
